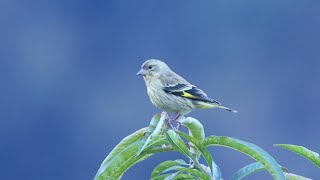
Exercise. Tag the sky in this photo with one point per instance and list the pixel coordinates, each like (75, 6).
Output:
(69, 91)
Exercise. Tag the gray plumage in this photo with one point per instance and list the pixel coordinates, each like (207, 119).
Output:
(172, 93)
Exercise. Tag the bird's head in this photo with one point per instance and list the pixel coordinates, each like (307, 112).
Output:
(152, 68)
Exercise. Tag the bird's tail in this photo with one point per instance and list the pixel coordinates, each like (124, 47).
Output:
(228, 109)
(207, 105)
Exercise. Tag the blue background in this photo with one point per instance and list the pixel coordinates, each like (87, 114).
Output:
(69, 91)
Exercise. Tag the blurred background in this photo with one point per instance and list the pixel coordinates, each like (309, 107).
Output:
(69, 91)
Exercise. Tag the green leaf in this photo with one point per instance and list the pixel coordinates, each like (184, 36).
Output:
(172, 176)
(310, 155)
(155, 134)
(157, 149)
(290, 176)
(153, 123)
(178, 177)
(120, 163)
(250, 169)
(185, 177)
(124, 155)
(195, 172)
(216, 171)
(195, 128)
(157, 142)
(126, 145)
(247, 170)
(160, 177)
(206, 154)
(177, 143)
(166, 165)
(192, 171)
(249, 149)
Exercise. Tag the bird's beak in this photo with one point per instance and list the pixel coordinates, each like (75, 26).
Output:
(142, 72)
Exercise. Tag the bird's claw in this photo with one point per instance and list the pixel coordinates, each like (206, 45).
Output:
(178, 125)
(169, 124)
(169, 120)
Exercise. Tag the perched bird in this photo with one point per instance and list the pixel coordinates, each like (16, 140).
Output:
(172, 93)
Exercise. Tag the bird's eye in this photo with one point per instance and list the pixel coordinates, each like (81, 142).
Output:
(150, 67)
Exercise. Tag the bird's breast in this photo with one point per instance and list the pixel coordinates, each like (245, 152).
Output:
(168, 102)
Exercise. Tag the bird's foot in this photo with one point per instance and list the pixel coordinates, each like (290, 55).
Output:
(167, 119)
(178, 125)
(169, 123)
(176, 120)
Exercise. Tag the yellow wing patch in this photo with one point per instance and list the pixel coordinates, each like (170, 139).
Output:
(188, 95)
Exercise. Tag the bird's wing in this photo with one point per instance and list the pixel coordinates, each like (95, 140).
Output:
(188, 91)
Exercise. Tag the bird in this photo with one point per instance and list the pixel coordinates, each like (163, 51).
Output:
(171, 93)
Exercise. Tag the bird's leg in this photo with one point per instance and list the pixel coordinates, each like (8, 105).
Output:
(169, 124)
(175, 119)
(167, 120)
(178, 125)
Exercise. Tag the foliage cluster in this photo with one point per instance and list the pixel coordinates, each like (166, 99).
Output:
(158, 137)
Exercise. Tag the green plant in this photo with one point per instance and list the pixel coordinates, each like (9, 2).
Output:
(159, 138)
